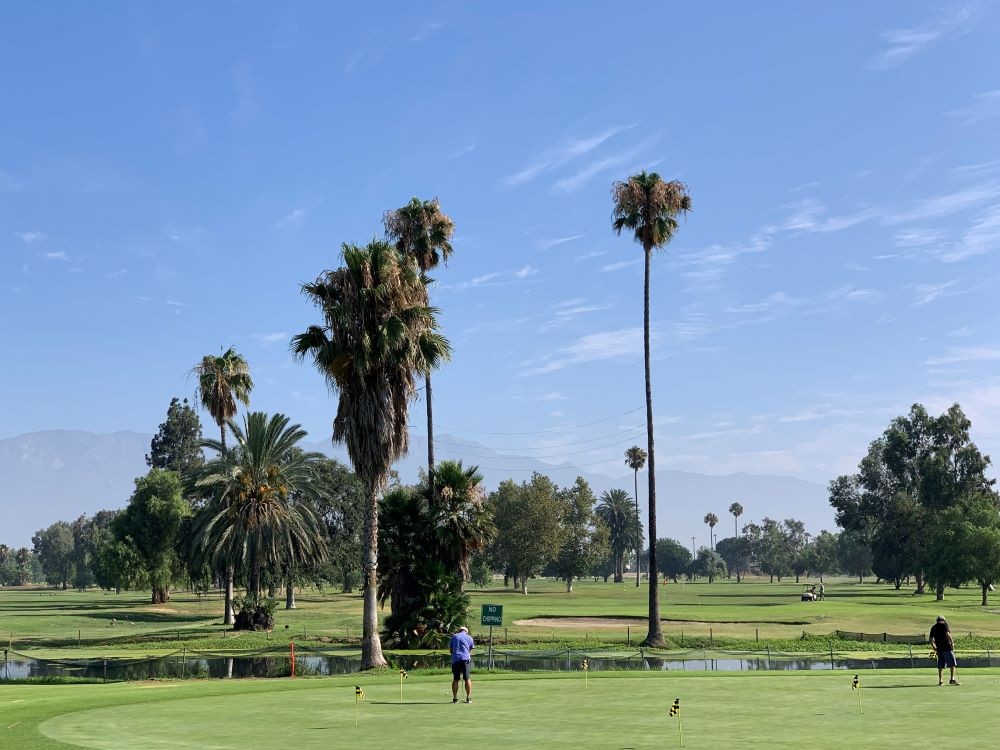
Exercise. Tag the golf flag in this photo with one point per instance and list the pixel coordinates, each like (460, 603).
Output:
(586, 674)
(402, 674)
(359, 693)
(856, 684)
(586, 665)
(675, 711)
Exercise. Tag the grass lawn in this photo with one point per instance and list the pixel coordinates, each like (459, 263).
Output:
(52, 619)
(771, 710)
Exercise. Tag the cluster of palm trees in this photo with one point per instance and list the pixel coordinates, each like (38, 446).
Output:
(377, 338)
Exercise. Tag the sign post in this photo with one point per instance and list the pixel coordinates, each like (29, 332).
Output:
(492, 615)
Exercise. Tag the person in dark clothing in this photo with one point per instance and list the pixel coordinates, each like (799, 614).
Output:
(944, 646)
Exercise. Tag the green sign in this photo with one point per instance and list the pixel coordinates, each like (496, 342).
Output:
(492, 614)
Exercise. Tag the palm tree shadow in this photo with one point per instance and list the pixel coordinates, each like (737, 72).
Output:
(897, 687)
(408, 703)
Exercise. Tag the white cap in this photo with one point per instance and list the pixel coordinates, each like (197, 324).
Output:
(464, 628)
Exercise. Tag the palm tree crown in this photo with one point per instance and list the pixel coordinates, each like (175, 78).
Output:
(615, 509)
(222, 381)
(458, 510)
(421, 232)
(649, 207)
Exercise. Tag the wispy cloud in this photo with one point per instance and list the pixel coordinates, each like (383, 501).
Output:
(965, 354)
(591, 254)
(577, 180)
(557, 156)
(524, 272)
(946, 204)
(426, 30)
(625, 343)
(552, 396)
(904, 44)
(985, 106)
(292, 218)
(981, 238)
(464, 151)
(917, 237)
(59, 255)
(548, 244)
(116, 274)
(30, 237)
(927, 293)
(960, 333)
(977, 169)
(270, 338)
(174, 303)
(619, 265)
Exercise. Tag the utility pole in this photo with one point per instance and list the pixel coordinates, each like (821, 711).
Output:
(693, 555)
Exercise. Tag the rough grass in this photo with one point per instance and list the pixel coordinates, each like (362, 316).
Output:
(749, 615)
(771, 710)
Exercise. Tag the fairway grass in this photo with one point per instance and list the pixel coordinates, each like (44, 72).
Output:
(769, 710)
(594, 613)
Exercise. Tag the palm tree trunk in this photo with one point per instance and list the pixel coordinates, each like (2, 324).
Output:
(654, 637)
(736, 538)
(430, 434)
(638, 539)
(289, 596)
(228, 617)
(371, 644)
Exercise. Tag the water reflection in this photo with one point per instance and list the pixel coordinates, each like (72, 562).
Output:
(178, 666)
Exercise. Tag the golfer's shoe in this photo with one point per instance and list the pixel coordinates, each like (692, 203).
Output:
(469, 700)
(954, 682)
(454, 700)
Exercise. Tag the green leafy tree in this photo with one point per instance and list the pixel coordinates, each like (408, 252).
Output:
(256, 520)
(825, 558)
(528, 518)
(177, 443)
(615, 510)
(674, 558)
(982, 542)
(341, 508)
(152, 522)
(854, 554)
(118, 565)
(53, 546)
(635, 459)
(649, 207)
(920, 466)
(734, 552)
(22, 559)
(422, 234)
(377, 336)
(708, 564)
(584, 534)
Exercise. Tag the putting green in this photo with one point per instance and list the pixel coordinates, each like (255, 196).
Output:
(773, 710)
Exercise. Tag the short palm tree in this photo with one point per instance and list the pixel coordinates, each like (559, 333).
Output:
(254, 521)
(458, 509)
(635, 459)
(223, 381)
(422, 233)
(737, 510)
(711, 519)
(615, 509)
(648, 207)
(377, 336)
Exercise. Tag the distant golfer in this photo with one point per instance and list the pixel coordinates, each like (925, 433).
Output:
(461, 645)
(944, 646)
(822, 591)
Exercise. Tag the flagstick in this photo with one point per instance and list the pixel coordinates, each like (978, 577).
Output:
(680, 732)
(400, 687)
(861, 709)
(355, 710)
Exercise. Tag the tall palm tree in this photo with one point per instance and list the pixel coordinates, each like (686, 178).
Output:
(737, 510)
(635, 459)
(422, 233)
(222, 381)
(711, 519)
(254, 521)
(461, 520)
(648, 207)
(615, 509)
(377, 336)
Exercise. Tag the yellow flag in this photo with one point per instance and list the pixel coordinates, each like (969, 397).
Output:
(676, 708)
(857, 683)
(358, 692)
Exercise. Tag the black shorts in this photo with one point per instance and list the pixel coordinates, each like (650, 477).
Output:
(460, 669)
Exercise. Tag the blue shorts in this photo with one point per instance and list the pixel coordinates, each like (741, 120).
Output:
(946, 659)
(460, 670)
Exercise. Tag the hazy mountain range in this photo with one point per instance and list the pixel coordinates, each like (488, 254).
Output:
(61, 474)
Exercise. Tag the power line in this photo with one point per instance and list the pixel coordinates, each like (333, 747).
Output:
(630, 433)
(542, 432)
(619, 441)
(549, 468)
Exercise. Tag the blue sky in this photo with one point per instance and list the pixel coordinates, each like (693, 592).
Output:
(169, 175)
